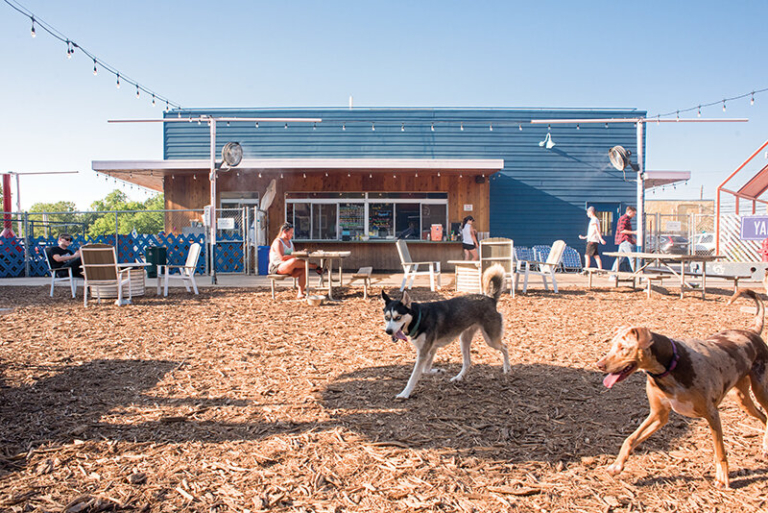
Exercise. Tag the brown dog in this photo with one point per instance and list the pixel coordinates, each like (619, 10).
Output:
(692, 377)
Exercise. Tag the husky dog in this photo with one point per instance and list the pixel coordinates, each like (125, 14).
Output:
(432, 325)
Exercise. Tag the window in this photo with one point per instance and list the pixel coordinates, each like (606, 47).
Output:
(367, 216)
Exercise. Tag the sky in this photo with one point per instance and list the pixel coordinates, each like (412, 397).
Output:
(657, 56)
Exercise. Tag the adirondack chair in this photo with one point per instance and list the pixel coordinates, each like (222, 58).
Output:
(545, 268)
(411, 268)
(102, 275)
(186, 271)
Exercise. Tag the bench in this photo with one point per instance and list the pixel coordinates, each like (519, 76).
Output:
(622, 276)
(279, 277)
(364, 273)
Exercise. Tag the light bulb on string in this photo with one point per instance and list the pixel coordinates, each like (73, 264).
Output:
(490, 128)
(138, 94)
(433, 127)
(168, 107)
(402, 127)
(95, 71)
(257, 124)
(32, 32)
(343, 126)
(752, 99)
(723, 105)
(373, 127)
(118, 80)
(461, 127)
(578, 127)
(286, 126)
(259, 175)
(314, 126)
(520, 126)
(153, 100)
(698, 112)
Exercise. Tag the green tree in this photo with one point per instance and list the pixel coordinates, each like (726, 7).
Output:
(49, 219)
(129, 215)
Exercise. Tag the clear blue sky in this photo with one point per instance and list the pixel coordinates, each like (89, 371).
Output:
(658, 56)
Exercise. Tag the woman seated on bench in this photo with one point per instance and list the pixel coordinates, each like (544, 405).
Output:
(281, 260)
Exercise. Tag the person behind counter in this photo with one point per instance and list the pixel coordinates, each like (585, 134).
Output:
(469, 238)
(281, 260)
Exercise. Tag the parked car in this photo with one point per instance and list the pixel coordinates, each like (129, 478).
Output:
(667, 243)
(704, 244)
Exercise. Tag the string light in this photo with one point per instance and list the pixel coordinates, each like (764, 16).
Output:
(257, 124)
(373, 127)
(490, 128)
(697, 108)
(520, 126)
(433, 127)
(72, 46)
(137, 92)
(402, 127)
(343, 126)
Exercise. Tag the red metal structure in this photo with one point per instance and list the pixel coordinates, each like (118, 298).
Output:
(7, 208)
(751, 191)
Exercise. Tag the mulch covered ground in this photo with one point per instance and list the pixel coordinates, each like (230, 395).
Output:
(228, 401)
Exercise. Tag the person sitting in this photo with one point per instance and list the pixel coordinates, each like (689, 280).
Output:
(62, 257)
(282, 261)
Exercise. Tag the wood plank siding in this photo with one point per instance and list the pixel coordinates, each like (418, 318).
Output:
(539, 196)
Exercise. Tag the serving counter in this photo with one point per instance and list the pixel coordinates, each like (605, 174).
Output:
(382, 254)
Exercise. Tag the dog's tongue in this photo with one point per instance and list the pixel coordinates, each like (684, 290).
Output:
(400, 335)
(611, 379)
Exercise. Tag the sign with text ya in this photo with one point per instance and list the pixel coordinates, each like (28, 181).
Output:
(754, 227)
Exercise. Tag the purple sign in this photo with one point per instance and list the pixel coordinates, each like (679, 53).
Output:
(754, 227)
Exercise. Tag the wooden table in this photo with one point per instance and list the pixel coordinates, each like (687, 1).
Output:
(322, 257)
(665, 261)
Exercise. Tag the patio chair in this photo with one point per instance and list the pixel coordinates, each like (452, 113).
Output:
(411, 268)
(571, 260)
(102, 275)
(545, 268)
(493, 250)
(186, 271)
(59, 274)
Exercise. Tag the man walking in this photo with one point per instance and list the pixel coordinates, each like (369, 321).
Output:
(625, 238)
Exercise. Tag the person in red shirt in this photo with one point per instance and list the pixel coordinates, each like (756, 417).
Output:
(625, 238)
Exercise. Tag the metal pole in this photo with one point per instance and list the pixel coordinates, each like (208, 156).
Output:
(117, 233)
(27, 241)
(212, 220)
(640, 189)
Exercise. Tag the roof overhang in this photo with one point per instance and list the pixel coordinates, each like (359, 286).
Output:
(659, 178)
(150, 173)
(756, 186)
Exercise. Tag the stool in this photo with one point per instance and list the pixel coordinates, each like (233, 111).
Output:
(364, 273)
(278, 277)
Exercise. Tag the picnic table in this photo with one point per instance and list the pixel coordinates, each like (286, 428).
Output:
(323, 257)
(663, 264)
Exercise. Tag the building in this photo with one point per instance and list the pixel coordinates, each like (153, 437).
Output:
(358, 178)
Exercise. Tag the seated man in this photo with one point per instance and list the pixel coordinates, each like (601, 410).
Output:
(61, 256)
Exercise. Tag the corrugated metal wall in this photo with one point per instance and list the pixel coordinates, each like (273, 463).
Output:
(538, 197)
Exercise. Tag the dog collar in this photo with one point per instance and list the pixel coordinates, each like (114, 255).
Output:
(416, 327)
(672, 364)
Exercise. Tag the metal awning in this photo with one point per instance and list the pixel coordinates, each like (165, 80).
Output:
(756, 186)
(659, 178)
(150, 173)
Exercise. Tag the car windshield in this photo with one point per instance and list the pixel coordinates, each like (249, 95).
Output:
(678, 239)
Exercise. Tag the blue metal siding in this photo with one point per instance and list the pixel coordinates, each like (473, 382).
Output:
(538, 197)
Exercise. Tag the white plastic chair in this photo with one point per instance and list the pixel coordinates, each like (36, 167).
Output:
(545, 269)
(59, 274)
(186, 271)
(411, 268)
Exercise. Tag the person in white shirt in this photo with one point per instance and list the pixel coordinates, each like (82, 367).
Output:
(594, 237)
(469, 238)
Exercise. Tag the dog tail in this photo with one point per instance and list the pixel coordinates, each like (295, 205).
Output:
(493, 281)
(760, 315)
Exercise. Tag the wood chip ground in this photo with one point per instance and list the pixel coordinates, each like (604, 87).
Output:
(229, 401)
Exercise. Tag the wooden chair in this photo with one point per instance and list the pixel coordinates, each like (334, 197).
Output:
(59, 274)
(102, 275)
(493, 250)
(545, 268)
(186, 271)
(411, 268)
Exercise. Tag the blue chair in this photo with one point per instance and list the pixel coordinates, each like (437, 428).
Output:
(571, 260)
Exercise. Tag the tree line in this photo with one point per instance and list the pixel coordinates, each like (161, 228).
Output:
(62, 216)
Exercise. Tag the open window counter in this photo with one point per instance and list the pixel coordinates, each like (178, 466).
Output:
(382, 254)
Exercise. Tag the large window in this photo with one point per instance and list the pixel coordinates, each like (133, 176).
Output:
(367, 216)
